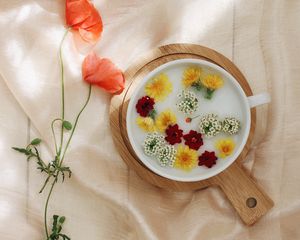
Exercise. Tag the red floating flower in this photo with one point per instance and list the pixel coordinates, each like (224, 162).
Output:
(174, 134)
(188, 120)
(208, 159)
(83, 17)
(103, 73)
(193, 139)
(145, 105)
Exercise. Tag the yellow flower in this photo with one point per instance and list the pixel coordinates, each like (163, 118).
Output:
(146, 123)
(186, 158)
(191, 75)
(165, 119)
(225, 147)
(159, 87)
(212, 81)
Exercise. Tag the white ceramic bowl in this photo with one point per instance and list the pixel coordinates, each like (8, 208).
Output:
(230, 100)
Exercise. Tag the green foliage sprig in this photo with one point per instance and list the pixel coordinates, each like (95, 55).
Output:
(55, 169)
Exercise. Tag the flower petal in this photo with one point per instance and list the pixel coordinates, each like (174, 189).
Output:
(91, 34)
(103, 73)
(93, 18)
(77, 11)
(81, 15)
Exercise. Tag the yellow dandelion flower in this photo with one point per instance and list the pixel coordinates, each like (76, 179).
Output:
(212, 81)
(186, 158)
(146, 123)
(225, 147)
(159, 87)
(164, 119)
(191, 75)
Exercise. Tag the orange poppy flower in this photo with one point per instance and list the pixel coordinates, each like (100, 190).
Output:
(82, 16)
(103, 73)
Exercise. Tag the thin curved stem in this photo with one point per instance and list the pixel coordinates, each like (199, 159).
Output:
(53, 133)
(62, 90)
(58, 151)
(75, 124)
(46, 207)
(45, 183)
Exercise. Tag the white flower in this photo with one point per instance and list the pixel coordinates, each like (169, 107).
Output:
(166, 155)
(188, 103)
(156, 146)
(210, 125)
(152, 143)
(231, 125)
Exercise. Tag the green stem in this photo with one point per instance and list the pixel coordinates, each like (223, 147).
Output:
(37, 155)
(62, 90)
(53, 133)
(209, 93)
(45, 183)
(75, 124)
(58, 151)
(197, 85)
(46, 207)
(196, 116)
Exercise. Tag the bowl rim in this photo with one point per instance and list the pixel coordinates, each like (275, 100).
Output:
(228, 162)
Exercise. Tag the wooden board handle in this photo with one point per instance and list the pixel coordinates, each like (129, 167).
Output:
(247, 198)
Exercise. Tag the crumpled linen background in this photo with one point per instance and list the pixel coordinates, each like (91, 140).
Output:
(104, 199)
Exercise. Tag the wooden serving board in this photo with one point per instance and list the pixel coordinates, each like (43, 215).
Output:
(250, 201)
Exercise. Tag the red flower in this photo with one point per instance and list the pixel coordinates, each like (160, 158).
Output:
(188, 120)
(103, 73)
(145, 105)
(174, 134)
(83, 17)
(193, 139)
(208, 159)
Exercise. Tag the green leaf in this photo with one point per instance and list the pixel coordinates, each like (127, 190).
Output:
(67, 125)
(57, 228)
(22, 150)
(62, 219)
(152, 114)
(54, 225)
(36, 141)
(65, 237)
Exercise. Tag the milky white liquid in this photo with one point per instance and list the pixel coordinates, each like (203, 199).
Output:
(227, 101)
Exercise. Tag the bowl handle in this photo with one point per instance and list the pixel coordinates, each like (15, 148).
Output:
(259, 99)
(248, 199)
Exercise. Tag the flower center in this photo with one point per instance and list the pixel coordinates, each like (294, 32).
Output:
(157, 87)
(145, 105)
(192, 77)
(185, 158)
(166, 121)
(194, 140)
(174, 134)
(225, 149)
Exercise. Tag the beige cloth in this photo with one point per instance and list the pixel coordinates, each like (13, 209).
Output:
(104, 199)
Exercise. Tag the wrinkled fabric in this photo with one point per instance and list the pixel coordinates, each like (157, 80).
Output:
(104, 199)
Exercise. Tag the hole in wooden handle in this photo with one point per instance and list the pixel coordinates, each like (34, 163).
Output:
(251, 202)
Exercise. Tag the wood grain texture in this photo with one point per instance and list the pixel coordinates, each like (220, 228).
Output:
(239, 188)
(118, 109)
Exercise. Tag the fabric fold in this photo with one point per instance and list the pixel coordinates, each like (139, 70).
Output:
(104, 199)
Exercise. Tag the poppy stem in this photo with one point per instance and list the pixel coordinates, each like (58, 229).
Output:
(75, 124)
(53, 133)
(58, 151)
(46, 207)
(62, 91)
